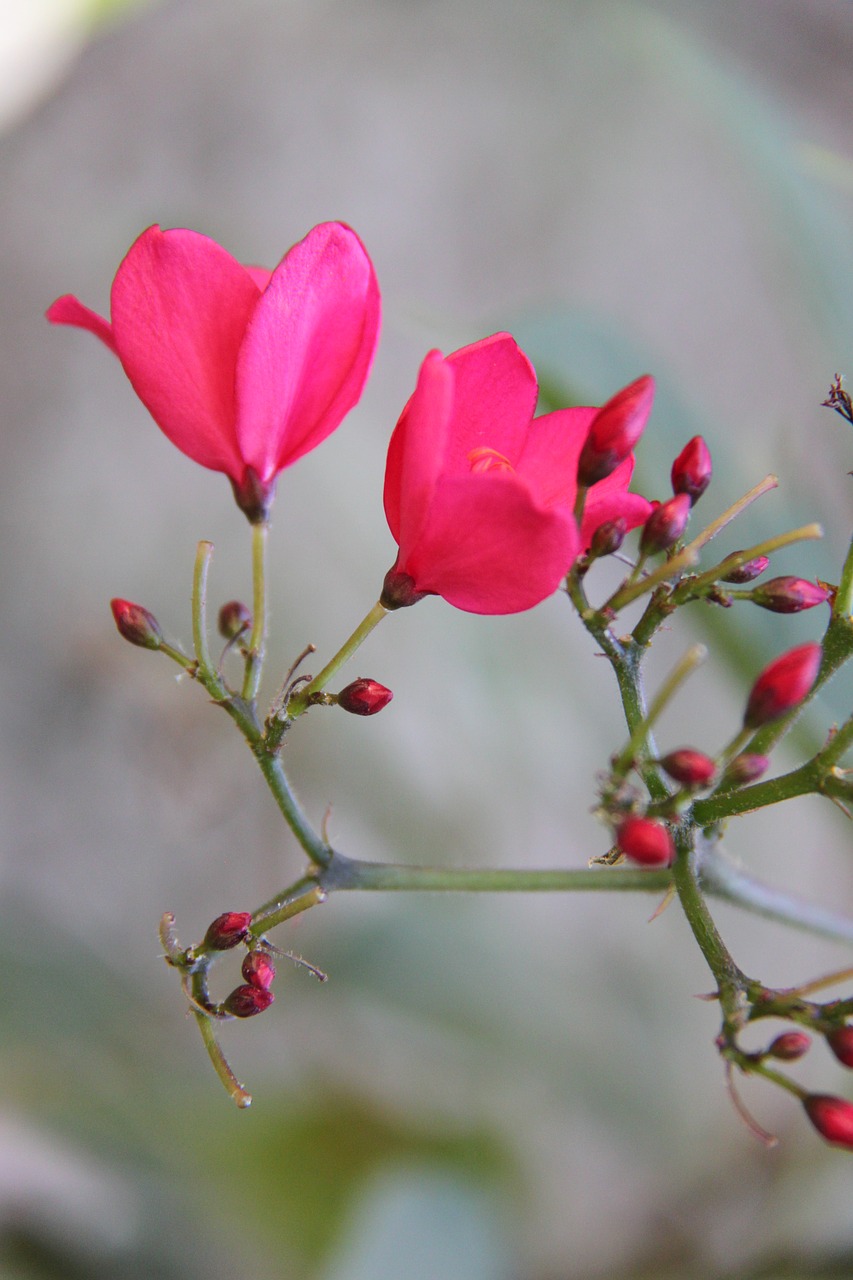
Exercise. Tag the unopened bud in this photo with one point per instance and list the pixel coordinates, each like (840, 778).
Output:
(832, 1117)
(749, 766)
(789, 1046)
(234, 619)
(840, 1041)
(748, 572)
(136, 624)
(258, 970)
(364, 697)
(245, 1002)
(615, 429)
(228, 930)
(692, 469)
(608, 538)
(690, 768)
(788, 595)
(782, 685)
(646, 841)
(665, 525)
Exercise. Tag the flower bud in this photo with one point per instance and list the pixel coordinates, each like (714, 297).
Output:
(788, 595)
(690, 768)
(832, 1117)
(615, 429)
(608, 538)
(789, 1046)
(258, 970)
(364, 697)
(692, 469)
(840, 1041)
(665, 525)
(782, 685)
(747, 767)
(245, 1002)
(227, 930)
(136, 624)
(747, 572)
(646, 841)
(234, 619)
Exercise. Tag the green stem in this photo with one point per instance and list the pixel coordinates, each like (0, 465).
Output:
(693, 658)
(257, 638)
(731, 981)
(739, 558)
(232, 1085)
(842, 606)
(346, 873)
(302, 699)
(272, 768)
(204, 554)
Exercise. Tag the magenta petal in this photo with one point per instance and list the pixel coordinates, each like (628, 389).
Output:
(416, 452)
(307, 349)
(609, 498)
(488, 548)
(549, 460)
(69, 310)
(494, 401)
(180, 306)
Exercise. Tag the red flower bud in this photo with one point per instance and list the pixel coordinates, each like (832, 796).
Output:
(788, 595)
(665, 525)
(234, 619)
(747, 767)
(136, 624)
(690, 768)
(748, 572)
(258, 970)
(245, 1002)
(832, 1117)
(608, 538)
(692, 469)
(364, 697)
(615, 429)
(789, 1046)
(782, 685)
(646, 841)
(840, 1041)
(227, 930)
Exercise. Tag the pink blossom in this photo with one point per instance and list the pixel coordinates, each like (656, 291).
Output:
(244, 370)
(479, 494)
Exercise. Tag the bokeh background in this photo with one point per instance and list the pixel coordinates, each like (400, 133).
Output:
(487, 1088)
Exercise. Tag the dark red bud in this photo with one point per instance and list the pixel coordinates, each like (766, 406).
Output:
(227, 930)
(364, 697)
(748, 572)
(136, 624)
(258, 970)
(747, 767)
(789, 595)
(646, 841)
(245, 1002)
(234, 619)
(398, 590)
(608, 538)
(692, 469)
(789, 1046)
(665, 525)
(690, 768)
(832, 1117)
(840, 1041)
(615, 429)
(782, 685)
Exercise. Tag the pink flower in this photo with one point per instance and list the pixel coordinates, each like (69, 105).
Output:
(479, 495)
(244, 370)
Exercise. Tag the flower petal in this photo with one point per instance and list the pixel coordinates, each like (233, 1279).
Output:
(549, 460)
(307, 349)
(416, 452)
(494, 400)
(180, 306)
(609, 498)
(69, 310)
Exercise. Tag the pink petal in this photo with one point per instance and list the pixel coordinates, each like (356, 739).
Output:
(180, 306)
(488, 548)
(494, 401)
(416, 451)
(69, 310)
(609, 498)
(307, 349)
(549, 460)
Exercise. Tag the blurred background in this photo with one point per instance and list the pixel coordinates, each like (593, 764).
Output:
(487, 1088)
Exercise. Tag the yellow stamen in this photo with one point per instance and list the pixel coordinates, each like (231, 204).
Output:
(486, 459)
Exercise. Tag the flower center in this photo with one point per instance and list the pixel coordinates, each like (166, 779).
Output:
(486, 459)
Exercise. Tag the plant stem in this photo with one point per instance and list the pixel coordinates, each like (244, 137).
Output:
(693, 658)
(257, 638)
(232, 1085)
(731, 981)
(737, 559)
(204, 554)
(346, 873)
(301, 700)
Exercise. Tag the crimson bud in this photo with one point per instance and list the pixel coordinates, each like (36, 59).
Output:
(364, 697)
(692, 469)
(840, 1041)
(665, 525)
(227, 930)
(136, 624)
(646, 841)
(747, 767)
(782, 685)
(615, 429)
(690, 768)
(748, 572)
(788, 595)
(789, 1046)
(832, 1117)
(234, 619)
(608, 538)
(258, 970)
(245, 1002)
